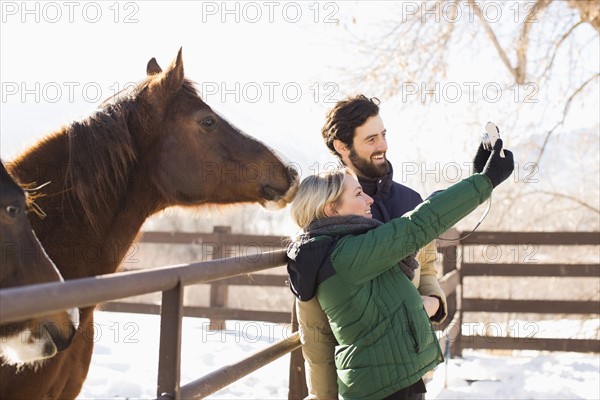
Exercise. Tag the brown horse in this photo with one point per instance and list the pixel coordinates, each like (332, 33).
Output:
(155, 146)
(24, 262)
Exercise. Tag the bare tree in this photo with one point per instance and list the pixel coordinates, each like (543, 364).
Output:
(420, 40)
(417, 43)
(541, 44)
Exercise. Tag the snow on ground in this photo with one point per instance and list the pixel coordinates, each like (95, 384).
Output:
(524, 375)
(125, 364)
(125, 360)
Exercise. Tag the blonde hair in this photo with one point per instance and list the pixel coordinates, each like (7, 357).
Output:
(315, 192)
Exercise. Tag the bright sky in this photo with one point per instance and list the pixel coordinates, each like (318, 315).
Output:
(272, 68)
(261, 75)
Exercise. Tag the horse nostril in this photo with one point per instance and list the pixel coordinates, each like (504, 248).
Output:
(268, 193)
(49, 349)
(60, 340)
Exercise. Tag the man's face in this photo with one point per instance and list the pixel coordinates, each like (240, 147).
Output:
(367, 155)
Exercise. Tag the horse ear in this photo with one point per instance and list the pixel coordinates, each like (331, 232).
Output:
(173, 78)
(153, 68)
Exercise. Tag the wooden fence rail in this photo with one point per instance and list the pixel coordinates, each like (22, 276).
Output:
(30, 301)
(222, 377)
(36, 300)
(524, 269)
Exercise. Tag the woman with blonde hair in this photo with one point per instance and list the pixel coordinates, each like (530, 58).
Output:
(359, 270)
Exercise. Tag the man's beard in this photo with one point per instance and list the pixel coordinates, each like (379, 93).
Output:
(366, 168)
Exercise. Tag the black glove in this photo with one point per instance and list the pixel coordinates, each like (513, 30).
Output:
(481, 158)
(498, 168)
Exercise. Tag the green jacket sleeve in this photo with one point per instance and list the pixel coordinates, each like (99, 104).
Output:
(359, 259)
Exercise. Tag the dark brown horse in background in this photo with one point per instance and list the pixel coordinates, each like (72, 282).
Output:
(24, 262)
(156, 146)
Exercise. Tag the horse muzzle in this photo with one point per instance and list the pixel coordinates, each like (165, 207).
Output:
(276, 200)
(38, 339)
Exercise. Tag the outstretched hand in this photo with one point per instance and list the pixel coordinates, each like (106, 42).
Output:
(498, 168)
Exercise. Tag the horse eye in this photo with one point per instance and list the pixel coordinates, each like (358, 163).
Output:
(13, 210)
(207, 123)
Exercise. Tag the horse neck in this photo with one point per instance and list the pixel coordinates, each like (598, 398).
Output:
(78, 248)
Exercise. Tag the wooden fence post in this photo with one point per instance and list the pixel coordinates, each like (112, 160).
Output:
(218, 292)
(169, 359)
(456, 344)
(450, 263)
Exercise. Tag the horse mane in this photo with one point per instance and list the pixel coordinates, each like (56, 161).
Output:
(190, 87)
(102, 151)
(101, 155)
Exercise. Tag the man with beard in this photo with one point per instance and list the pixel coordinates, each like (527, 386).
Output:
(354, 132)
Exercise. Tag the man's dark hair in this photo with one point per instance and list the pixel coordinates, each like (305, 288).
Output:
(342, 120)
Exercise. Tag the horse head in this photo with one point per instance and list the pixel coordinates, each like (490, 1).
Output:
(24, 262)
(153, 146)
(222, 164)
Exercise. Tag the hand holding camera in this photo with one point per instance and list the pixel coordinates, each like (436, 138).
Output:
(491, 159)
(499, 168)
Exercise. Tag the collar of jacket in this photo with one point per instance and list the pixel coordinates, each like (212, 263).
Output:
(372, 186)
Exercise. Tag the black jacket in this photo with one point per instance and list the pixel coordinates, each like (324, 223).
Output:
(390, 199)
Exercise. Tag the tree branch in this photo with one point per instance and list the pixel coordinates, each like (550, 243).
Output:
(565, 196)
(523, 42)
(493, 38)
(519, 72)
(564, 115)
(557, 46)
(588, 11)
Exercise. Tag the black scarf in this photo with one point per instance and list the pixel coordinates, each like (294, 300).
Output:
(354, 224)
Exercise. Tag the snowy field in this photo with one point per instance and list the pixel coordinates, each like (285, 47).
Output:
(125, 361)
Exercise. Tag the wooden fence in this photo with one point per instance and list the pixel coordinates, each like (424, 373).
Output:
(523, 267)
(26, 302)
(36, 300)
(222, 242)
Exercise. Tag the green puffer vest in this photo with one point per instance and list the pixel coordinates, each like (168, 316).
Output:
(386, 341)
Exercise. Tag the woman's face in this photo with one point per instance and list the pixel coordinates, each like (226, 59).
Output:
(353, 200)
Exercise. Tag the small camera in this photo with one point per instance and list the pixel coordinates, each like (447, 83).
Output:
(492, 133)
(488, 139)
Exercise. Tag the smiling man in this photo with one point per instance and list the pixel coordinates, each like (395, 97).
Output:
(355, 133)
(367, 156)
